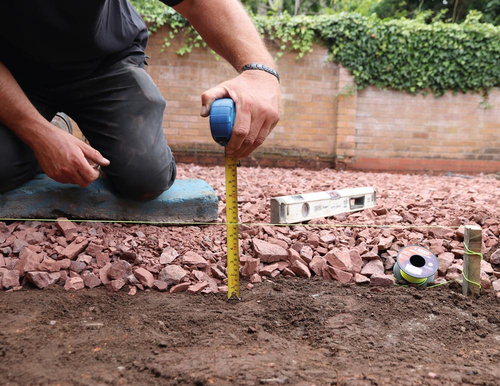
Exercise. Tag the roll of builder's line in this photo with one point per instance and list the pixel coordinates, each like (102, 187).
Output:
(415, 265)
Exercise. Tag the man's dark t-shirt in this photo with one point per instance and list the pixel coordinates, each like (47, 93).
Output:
(58, 41)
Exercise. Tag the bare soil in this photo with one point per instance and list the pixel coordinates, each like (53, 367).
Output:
(289, 331)
(284, 330)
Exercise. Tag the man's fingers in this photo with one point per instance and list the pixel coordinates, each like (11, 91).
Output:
(87, 177)
(261, 137)
(94, 155)
(241, 131)
(208, 97)
(251, 129)
(89, 171)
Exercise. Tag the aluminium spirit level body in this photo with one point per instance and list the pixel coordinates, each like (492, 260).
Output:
(302, 207)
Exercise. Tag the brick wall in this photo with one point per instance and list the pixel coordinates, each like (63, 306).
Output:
(325, 122)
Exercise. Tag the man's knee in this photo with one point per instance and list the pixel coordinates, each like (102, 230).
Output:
(145, 181)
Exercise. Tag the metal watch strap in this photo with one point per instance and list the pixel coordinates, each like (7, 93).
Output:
(261, 67)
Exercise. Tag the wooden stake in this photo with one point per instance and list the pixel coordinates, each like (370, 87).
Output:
(472, 262)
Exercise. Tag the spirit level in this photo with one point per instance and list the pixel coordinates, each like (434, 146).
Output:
(303, 207)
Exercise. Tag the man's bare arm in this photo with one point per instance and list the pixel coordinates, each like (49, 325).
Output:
(228, 30)
(61, 156)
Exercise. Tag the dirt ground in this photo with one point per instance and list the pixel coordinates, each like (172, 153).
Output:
(289, 331)
(292, 331)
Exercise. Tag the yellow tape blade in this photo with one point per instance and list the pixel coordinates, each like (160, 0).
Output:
(233, 256)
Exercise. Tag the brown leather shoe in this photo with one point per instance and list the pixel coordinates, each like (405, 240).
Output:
(62, 121)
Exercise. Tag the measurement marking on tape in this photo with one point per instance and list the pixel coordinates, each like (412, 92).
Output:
(233, 256)
(303, 207)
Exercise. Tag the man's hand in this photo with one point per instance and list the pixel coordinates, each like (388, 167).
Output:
(228, 30)
(257, 97)
(63, 158)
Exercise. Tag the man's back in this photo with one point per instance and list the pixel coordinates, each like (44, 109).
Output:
(60, 40)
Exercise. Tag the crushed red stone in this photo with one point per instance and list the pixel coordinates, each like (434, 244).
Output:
(359, 248)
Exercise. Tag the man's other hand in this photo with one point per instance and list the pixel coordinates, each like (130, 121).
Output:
(63, 158)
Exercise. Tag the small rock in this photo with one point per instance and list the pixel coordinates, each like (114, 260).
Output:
(160, 285)
(33, 238)
(313, 239)
(486, 267)
(145, 277)
(90, 280)
(168, 255)
(102, 258)
(356, 261)
(360, 279)
(63, 264)
(77, 266)
(172, 274)
(267, 252)
(287, 272)
(217, 273)
(317, 264)
(66, 227)
(49, 265)
(129, 256)
(379, 211)
(381, 280)
(132, 290)
(327, 239)
(495, 257)
(339, 275)
(444, 261)
(255, 278)
(115, 285)
(195, 288)
(496, 285)
(9, 278)
(385, 243)
(43, 279)
(18, 245)
(306, 253)
(300, 269)
(103, 274)
(251, 267)
(373, 267)
(180, 287)
(268, 269)
(28, 261)
(73, 250)
(339, 258)
(193, 259)
(93, 249)
(87, 259)
(119, 270)
(74, 284)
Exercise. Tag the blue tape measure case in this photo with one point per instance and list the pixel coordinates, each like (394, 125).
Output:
(222, 114)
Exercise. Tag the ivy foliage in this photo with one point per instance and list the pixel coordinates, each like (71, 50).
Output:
(413, 56)
(401, 54)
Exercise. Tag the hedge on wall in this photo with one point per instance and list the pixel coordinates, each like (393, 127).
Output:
(407, 55)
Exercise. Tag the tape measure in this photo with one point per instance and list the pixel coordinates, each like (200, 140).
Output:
(415, 265)
(222, 115)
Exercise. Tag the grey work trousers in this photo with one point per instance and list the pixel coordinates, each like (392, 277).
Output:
(119, 109)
